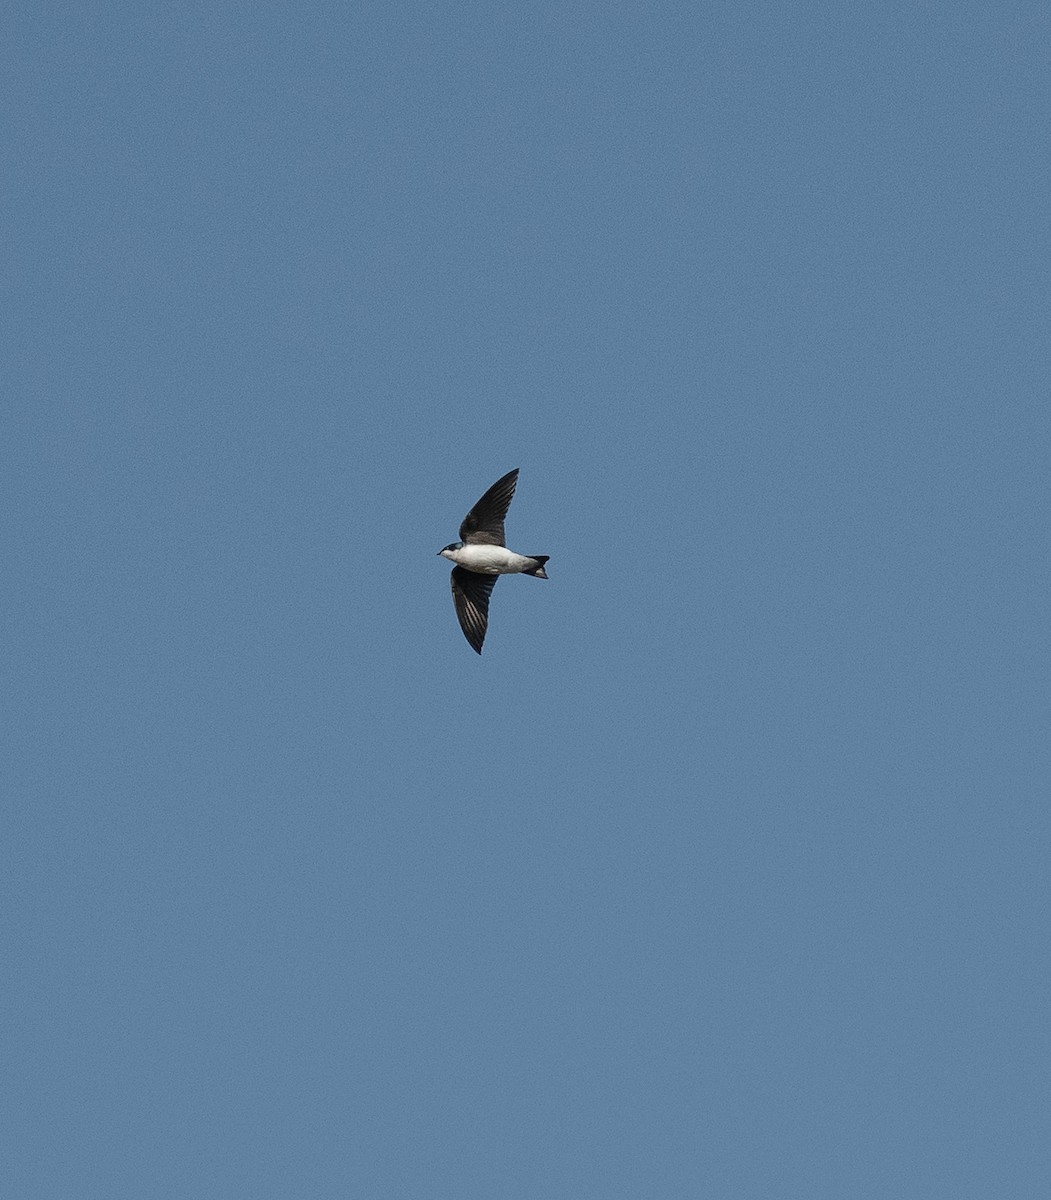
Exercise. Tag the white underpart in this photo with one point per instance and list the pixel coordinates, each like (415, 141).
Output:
(489, 560)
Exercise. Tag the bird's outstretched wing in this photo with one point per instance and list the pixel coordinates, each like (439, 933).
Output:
(471, 592)
(484, 524)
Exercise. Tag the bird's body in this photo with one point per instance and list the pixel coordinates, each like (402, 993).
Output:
(490, 560)
(481, 556)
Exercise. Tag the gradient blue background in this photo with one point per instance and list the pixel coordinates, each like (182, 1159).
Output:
(724, 871)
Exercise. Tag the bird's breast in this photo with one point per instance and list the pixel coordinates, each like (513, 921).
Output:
(490, 560)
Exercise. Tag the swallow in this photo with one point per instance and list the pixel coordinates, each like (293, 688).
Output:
(481, 557)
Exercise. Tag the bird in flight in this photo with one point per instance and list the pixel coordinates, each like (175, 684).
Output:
(480, 556)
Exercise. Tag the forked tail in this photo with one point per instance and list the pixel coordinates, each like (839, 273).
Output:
(538, 571)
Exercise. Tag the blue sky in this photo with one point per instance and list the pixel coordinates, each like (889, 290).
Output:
(724, 871)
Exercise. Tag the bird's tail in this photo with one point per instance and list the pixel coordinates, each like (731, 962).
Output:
(538, 571)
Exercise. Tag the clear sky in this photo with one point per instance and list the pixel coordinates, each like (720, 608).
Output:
(724, 871)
